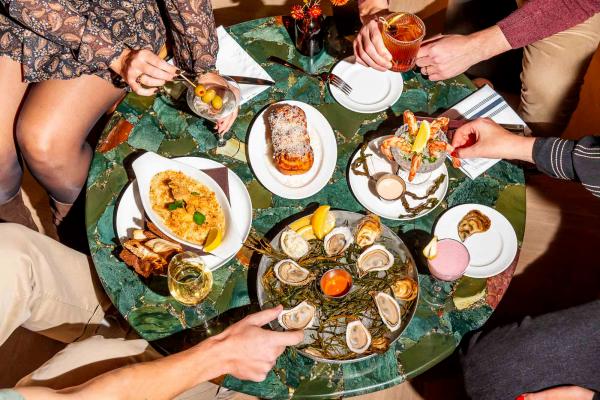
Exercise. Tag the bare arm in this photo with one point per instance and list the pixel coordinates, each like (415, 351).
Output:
(367, 8)
(233, 351)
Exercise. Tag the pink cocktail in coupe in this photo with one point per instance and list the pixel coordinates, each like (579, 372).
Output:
(451, 260)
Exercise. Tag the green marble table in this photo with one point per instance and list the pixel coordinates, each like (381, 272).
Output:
(158, 124)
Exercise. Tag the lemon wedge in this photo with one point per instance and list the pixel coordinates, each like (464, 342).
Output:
(321, 222)
(307, 232)
(422, 137)
(300, 223)
(430, 251)
(213, 240)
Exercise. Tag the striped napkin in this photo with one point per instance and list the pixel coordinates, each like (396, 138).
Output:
(485, 102)
(233, 60)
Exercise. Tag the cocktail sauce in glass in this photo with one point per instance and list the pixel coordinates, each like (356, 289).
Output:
(402, 35)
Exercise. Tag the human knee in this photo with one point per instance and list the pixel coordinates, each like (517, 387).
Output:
(40, 144)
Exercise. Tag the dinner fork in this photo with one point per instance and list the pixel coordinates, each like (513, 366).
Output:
(326, 77)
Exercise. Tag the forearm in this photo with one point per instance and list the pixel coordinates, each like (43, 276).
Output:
(156, 380)
(488, 43)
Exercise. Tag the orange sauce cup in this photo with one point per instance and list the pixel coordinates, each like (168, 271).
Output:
(336, 283)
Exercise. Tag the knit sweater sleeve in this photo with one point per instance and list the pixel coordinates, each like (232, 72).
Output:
(538, 19)
(572, 160)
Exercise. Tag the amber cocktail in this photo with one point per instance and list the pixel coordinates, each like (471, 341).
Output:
(402, 35)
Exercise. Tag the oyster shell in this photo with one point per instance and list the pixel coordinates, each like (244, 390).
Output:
(293, 244)
(389, 310)
(368, 230)
(474, 222)
(380, 344)
(374, 258)
(298, 318)
(405, 289)
(337, 241)
(358, 338)
(290, 273)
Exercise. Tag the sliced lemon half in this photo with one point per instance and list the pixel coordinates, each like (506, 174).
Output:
(430, 251)
(307, 232)
(300, 223)
(422, 137)
(322, 222)
(213, 240)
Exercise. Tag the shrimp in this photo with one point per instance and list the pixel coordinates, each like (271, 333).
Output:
(411, 121)
(415, 164)
(394, 141)
(440, 123)
(436, 147)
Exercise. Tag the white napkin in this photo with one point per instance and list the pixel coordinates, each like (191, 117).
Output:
(485, 102)
(233, 60)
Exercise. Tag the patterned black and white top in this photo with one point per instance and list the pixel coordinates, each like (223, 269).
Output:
(569, 159)
(63, 39)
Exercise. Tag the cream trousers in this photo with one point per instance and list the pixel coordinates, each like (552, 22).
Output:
(553, 72)
(52, 289)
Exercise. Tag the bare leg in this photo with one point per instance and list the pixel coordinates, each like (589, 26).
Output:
(52, 129)
(13, 90)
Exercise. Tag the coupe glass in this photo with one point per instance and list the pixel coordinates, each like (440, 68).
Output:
(450, 263)
(222, 86)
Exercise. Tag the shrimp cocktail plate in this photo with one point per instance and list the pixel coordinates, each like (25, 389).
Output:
(403, 176)
(344, 278)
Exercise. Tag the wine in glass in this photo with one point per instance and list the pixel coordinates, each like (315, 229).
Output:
(188, 279)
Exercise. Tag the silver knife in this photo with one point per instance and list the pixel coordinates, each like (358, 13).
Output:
(251, 81)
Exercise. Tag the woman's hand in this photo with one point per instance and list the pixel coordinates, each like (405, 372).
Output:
(485, 138)
(143, 70)
(250, 352)
(223, 125)
(369, 48)
(560, 393)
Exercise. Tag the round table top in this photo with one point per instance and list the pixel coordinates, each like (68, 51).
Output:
(154, 124)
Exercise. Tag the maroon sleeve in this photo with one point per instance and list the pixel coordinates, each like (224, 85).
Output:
(538, 19)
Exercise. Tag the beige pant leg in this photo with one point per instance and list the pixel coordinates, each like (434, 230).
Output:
(45, 286)
(553, 72)
(81, 361)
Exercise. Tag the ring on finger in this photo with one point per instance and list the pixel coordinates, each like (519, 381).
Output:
(139, 79)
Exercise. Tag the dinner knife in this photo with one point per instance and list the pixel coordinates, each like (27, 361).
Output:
(251, 81)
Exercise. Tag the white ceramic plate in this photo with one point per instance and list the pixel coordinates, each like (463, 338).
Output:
(322, 140)
(130, 211)
(492, 251)
(150, 164)
(372, 91)
(364, 188)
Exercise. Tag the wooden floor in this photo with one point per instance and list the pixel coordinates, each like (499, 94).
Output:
(559, 264)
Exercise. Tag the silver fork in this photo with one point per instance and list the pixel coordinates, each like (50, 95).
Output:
(323, 76)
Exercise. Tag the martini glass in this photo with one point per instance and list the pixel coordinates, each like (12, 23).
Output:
(447, 266)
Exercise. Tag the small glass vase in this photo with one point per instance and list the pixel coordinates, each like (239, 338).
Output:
(309, 36)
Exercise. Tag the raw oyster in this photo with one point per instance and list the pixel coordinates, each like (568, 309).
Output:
(337, 241)
(389, 310)
(290, 273)
(374, 258)
(368, 230)
(474, 222)
(405, 289)
(293, 244)
(298, 318)
(358, 338)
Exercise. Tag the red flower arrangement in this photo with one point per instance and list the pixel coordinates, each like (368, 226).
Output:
(311, 9)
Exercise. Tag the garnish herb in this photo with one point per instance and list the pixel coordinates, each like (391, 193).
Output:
(195, 193)
(176, 204)
(199, 218)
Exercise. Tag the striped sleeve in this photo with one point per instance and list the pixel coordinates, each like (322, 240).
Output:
(572, 160)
